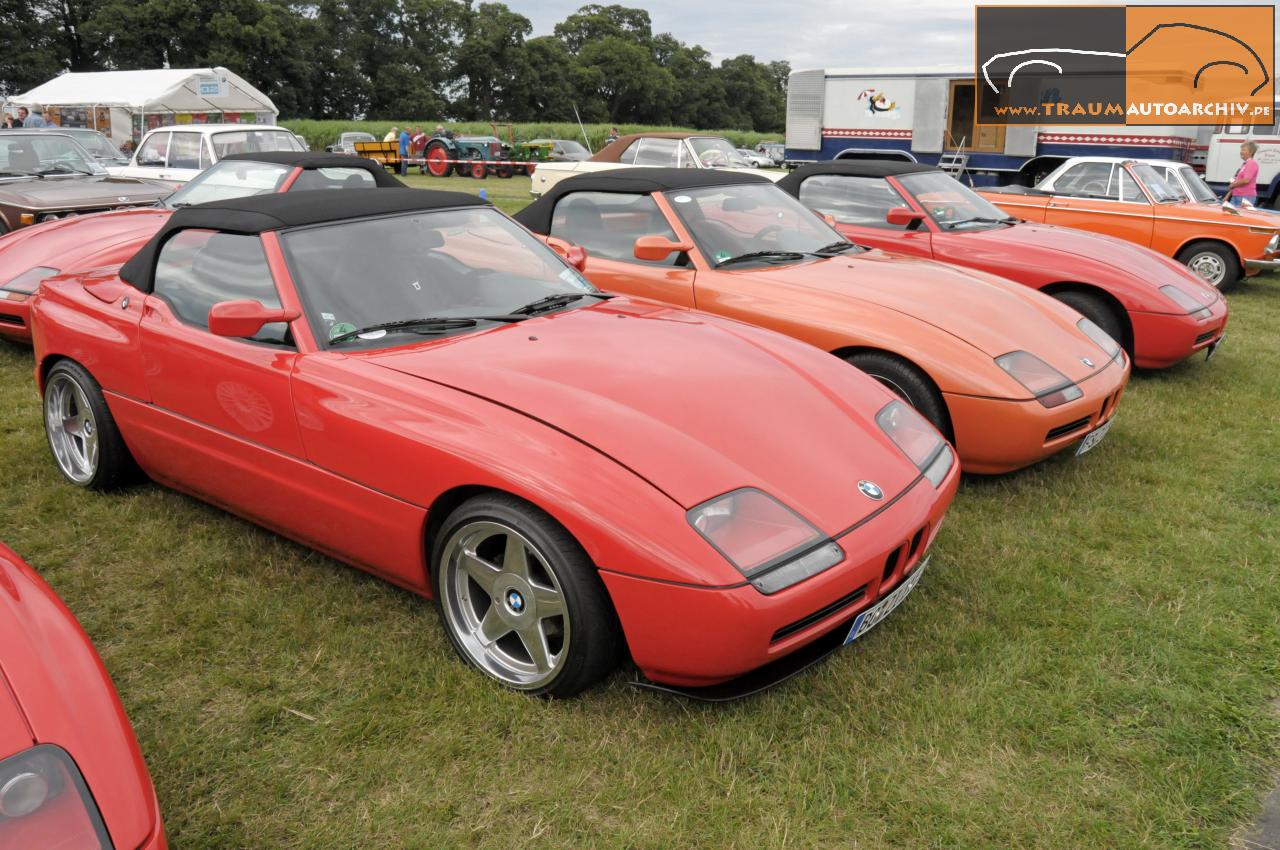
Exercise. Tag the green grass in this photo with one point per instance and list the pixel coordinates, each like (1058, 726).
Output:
(510, 195)
(1089, 664)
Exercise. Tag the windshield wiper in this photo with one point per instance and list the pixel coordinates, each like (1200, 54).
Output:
(551, 302)
(983, 220)
(63, 169)
(432, 324)
(761, 255)
(834, 248)
(17, 174)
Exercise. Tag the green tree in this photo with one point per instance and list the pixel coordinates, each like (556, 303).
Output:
(31, 54)
(491, 63)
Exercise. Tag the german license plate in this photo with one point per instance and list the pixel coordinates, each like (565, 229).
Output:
(872, 617)
(1094, 437)
(1213, 348)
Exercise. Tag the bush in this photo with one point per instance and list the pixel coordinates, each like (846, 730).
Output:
(321, 133)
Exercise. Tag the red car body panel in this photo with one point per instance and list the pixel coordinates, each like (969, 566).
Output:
(352, 453)
(1043, 257)
(55, 690)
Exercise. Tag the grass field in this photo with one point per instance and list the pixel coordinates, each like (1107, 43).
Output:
(1090, 663)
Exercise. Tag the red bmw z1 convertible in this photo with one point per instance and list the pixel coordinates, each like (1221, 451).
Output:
(413, 383)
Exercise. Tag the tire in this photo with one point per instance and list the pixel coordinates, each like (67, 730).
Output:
(491, 612)
(479, 170)
(437, 160)
(1098, 311)
(82, 433)
(504, 172)
(1212, 262)
(908, 383)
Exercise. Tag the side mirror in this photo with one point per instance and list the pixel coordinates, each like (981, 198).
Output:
(655, 249)
(904, 217)
(574, 255)
(244, 318)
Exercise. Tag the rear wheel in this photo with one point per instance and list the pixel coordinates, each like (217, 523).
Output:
(1096, 310)
(1213, 262)
(503, 171)
(437, 156)
(521, 600)
(82, 433)
(908, 383)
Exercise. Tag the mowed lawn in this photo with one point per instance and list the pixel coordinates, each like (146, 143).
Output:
(1091, 662)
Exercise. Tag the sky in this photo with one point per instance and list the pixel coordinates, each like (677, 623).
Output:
(912, 34)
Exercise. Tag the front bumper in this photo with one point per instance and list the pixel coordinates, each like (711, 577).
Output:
(995, 436)
(696, 637)
(15, 317)
(1253, 266)
(1160, 340)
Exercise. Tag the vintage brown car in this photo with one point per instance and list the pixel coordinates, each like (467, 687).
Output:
(46, 175)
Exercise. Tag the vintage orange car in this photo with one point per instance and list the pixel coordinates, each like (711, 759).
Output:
(1009, 374)
(1130, 200)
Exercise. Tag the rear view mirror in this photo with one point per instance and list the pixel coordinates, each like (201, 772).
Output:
(655, 249)
(904, 217)
(574, 255)
(244, 318)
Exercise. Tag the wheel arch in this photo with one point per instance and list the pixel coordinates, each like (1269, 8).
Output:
(1216, 240)
(1121, 314)
(47, 364)
(848, 351)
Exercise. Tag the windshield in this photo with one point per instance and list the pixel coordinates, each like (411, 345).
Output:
(98, 145)
(1195, 184)
(44, 153)
(230, 179)
(470, 262)
(357, 137)
(253, 141)
(717, 153)
(569, 146)
(950, 203)
(730, 221)
(1154, 184)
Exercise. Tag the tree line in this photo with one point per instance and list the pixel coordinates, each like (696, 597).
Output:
(375, 59)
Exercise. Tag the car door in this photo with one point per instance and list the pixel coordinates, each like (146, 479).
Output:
(187, 156)
(225, 418)
(607, 225)
(859, 206)
(1104, 198)
(149, 160)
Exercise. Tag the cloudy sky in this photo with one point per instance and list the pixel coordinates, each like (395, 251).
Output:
(808, 33)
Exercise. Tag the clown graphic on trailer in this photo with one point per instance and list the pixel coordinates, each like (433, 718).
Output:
(878, 103)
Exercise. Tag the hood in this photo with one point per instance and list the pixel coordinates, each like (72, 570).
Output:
(15, 734)
(77, 192)
(79, 243)
(1215, 214)
(696, 405)
(989, 313)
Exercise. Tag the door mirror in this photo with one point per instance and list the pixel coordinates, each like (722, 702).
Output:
(574, 255)
(655, 249)
(244, 318)
(904, 217)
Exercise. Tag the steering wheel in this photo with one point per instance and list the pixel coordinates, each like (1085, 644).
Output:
(768, 228)
(714, 158)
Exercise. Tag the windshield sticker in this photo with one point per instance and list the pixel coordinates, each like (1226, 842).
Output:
(340, 329)
(682, 199)
(329, 317)
(721, 256)
(378, 334)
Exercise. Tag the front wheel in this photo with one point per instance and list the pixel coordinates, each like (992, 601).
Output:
(82, 433)
(1212, 262)
(521, 600)
(908, 383)
(1097, 311)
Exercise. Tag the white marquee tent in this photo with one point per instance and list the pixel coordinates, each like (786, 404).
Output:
(124, 104)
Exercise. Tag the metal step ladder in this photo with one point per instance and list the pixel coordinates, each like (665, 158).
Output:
(954, 162)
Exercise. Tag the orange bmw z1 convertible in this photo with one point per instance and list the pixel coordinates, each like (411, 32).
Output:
(1010, 375)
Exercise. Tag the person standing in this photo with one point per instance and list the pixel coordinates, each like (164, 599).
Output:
(8, 123)
(1244, 186)
(391, 135)
(613, 136)
(406, 142)
(35, 117)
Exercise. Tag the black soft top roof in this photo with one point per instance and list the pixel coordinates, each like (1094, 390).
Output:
(258, 213)
(639, 181)
(853, 167)
(317, 159)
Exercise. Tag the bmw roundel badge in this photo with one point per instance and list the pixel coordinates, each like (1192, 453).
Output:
(871, 490)
(1086, 361)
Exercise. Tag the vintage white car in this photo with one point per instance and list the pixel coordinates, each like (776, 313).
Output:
(662, 150)
(1191, 185)
(173, 155)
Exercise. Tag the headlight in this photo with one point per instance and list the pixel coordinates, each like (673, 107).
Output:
(1099, 336)
(919, 440)
(1050, 387)
(44, 802)
(29, 281)
(1274, 244)
(1183, 300)
(48, 217)
(770, 544)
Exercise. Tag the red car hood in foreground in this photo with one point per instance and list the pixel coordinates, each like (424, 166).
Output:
(686, 401)
(103, 239)
(54, 690)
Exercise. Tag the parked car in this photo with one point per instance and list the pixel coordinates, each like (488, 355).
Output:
(563, 150)
(346, 142)
(776, 151)
(64, 245)
(1155, 307)
(104, 152)
(753, 159)
(661, 150)
(1191, 186)
(46, 176)
(1010, 375)
(174, 155)
(1129, 200)
(396, 378)
(71, 773)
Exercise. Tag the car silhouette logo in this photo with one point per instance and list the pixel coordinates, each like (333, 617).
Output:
(122, 198)
(1086, 361)
(871, 490)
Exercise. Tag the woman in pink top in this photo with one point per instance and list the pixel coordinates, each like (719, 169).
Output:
(1244, 186)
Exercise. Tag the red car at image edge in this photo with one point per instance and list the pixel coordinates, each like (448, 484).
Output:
(71, 773)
